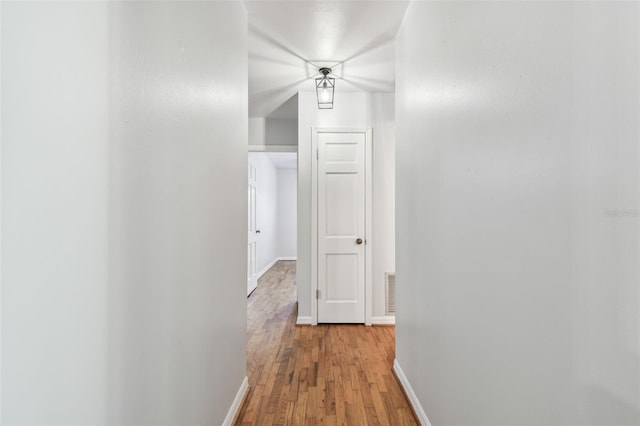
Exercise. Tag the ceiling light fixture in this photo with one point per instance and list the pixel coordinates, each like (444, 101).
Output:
(324, 89)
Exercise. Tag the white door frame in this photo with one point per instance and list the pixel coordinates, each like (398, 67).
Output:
(368, 238)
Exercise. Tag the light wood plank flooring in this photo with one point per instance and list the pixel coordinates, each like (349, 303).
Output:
(324, 375)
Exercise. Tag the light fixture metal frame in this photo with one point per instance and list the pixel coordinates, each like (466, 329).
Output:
(330, 85)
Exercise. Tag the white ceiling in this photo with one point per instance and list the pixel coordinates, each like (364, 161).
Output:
(283, 160)
(290, 40)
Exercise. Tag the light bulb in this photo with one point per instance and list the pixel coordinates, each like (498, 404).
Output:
(324, 95)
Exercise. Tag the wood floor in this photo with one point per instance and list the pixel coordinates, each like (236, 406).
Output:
(323, 375)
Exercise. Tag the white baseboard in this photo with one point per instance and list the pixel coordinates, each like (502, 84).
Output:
(237, 403)
(408, 390)
(251, 291)
(288, 258)
(386, 320)
(303, 320)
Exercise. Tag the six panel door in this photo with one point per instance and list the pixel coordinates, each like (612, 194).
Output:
(341, 227)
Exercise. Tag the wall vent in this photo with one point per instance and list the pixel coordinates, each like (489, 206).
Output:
(390, 293)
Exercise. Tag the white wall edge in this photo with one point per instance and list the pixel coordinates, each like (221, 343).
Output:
(303, 320)
(411, 395)
(287, 258)
(386, 320)
(273, 148)
(266, 268)
(237, 403)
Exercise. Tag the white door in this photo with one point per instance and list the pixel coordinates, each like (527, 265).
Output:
(341, 227)
(252, 274)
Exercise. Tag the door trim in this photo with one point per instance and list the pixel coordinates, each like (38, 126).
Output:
(368, 267)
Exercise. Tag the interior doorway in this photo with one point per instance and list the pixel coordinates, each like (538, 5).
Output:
(272, 212)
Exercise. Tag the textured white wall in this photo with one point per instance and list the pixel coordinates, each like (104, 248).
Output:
(266, 209)
(178, 204)
(123, 211)
(352, 110)
(287, 212)
(517, 211)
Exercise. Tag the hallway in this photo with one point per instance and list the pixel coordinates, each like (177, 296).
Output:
(338, 374)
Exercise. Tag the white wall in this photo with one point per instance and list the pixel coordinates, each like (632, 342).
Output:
(517, 211)
(281, 131)
(256, 131)
(384, 201)
(350, 110)
(54, 213)
(123, 212)
(287, 213)
(273, 131)
(266, 209)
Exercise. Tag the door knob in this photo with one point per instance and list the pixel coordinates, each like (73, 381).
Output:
(359, 241)
(257, 231)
